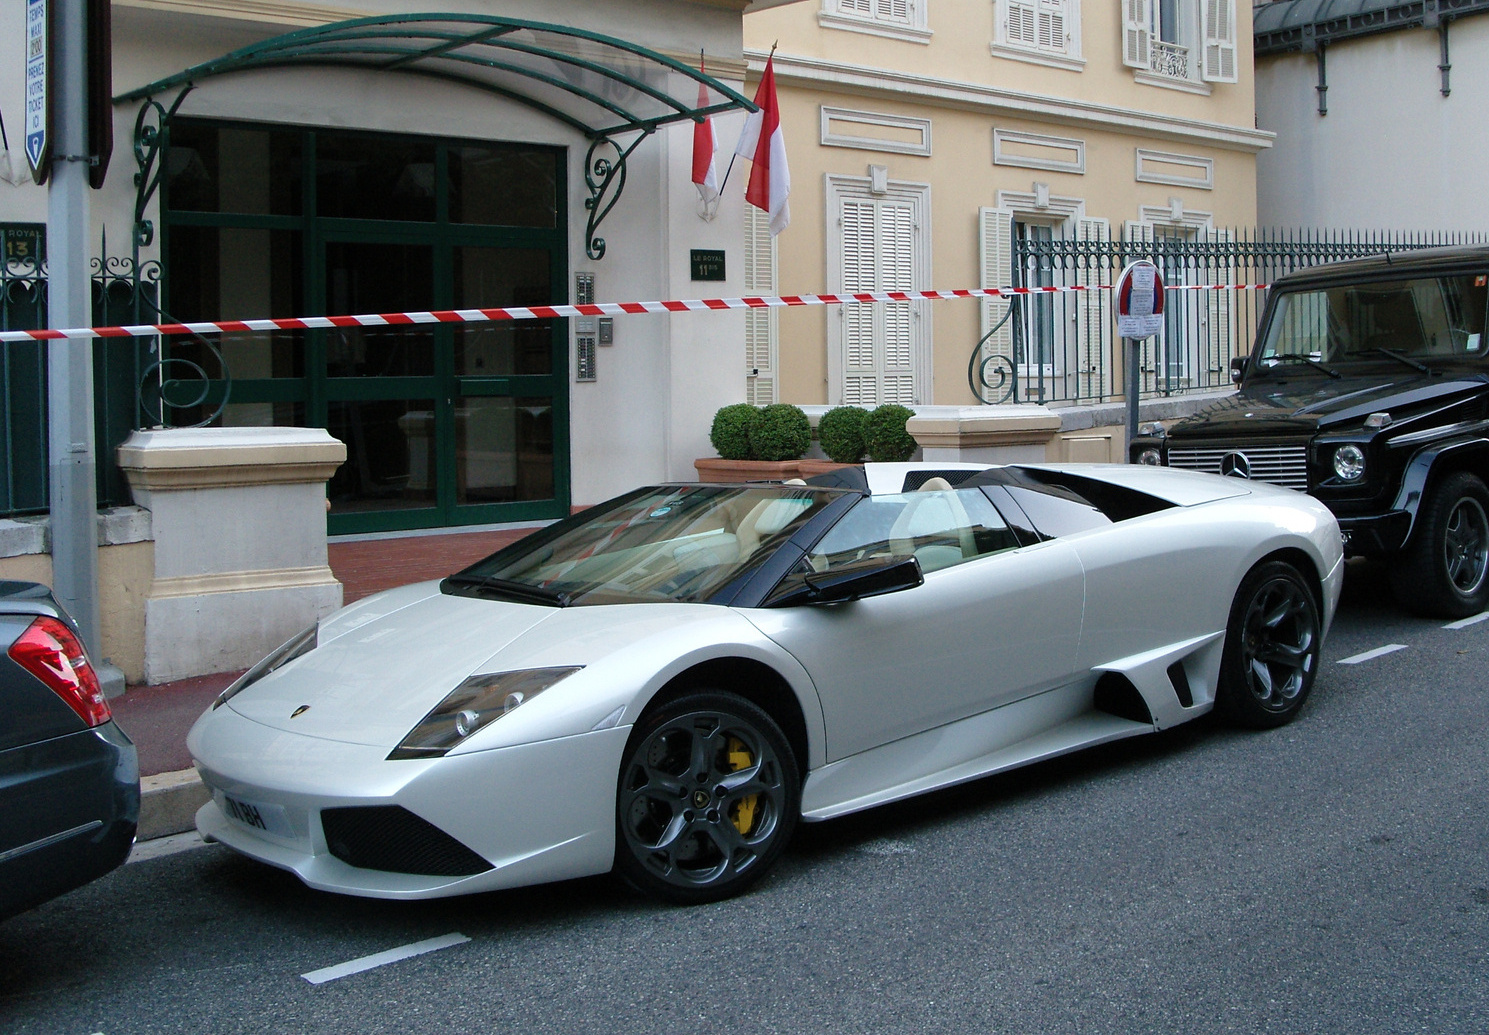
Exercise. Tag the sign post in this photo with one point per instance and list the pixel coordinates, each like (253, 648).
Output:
(1139, 292)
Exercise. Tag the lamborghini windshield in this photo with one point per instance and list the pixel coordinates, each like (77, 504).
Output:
(680, 543)
(1402, 321)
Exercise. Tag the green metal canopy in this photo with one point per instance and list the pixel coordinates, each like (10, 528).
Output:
(599, 85)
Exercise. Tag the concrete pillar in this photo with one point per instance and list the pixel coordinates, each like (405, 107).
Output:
(239, 517)
(983, 434)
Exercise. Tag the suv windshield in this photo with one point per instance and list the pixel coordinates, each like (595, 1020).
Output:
(1402, 320)
(679, 543)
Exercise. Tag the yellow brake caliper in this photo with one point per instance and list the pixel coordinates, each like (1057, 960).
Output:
(742, 812)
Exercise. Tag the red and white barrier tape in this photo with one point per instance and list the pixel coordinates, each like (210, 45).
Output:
(547, 312)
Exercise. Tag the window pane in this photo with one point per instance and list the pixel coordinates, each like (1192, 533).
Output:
(367, 177)
(390, 454)
(506, 186)
(503, 449)
(938, 528)
(235, 274)
(216, 168)
(487, 278)
(379, 278)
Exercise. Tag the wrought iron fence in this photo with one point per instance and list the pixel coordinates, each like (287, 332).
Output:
(123, 292)
(1062, 347)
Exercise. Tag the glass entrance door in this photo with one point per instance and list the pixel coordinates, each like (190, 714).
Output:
(444, 424)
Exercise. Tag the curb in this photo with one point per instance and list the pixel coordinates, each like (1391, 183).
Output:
(168, 803)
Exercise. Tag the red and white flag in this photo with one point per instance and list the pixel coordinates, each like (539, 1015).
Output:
(763, 142)
(705, 145)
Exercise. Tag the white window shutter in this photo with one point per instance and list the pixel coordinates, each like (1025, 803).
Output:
(1220, 41)
(897, 320)
(1093, 311)
(762, 334)
(864, 8)
(1052, 18)
(1022, 19)
(860, 273)
(1137, 22)
(1220, 339)
(995, 253)
(893, 11)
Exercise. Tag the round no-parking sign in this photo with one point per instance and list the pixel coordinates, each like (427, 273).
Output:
(1139, 300)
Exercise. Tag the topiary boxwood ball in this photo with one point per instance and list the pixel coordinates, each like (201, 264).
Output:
(885, 436)
(783, 433)
(840, 430)
(730, 433)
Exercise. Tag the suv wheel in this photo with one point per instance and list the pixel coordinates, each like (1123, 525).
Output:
(1444, 570)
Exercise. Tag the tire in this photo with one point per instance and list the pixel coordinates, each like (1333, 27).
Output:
(1272, 644)
(1444, 570)
(707, 799)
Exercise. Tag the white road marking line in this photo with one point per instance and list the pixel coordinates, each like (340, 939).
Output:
(1464, 623)
(1371, 655)
(378, 959)
(159, 847)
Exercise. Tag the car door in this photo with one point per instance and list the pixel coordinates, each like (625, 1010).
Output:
(992, 623)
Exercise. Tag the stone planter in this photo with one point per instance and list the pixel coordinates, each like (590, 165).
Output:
(716, 469)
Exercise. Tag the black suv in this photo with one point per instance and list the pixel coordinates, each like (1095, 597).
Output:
(1369, 389)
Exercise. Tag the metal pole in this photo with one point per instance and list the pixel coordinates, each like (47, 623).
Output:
(1134, 385)
(72, 462)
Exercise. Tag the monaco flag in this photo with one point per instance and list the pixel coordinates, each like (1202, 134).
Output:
(764, 144)
(705, 173)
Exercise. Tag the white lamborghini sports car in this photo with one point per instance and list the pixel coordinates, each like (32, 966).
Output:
(666, 683)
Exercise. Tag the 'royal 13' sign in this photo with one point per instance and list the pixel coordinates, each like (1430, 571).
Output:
(36, 88)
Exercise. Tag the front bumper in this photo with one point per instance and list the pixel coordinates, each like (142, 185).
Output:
(1375, 535)
(534, 812)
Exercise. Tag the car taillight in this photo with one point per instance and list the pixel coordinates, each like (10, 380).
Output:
(50, 652)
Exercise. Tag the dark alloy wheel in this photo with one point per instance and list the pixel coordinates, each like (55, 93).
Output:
(1444, 571)
(709, 795)
(1271, 648)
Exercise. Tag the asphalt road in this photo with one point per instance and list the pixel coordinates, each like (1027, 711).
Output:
(1331, 876)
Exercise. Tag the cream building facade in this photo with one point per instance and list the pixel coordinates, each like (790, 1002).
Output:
(926, 135)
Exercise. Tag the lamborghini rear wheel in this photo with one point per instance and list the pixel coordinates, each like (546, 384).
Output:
(708, 797)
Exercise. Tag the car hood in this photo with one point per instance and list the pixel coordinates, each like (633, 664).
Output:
(1304, 404)
(381, 666)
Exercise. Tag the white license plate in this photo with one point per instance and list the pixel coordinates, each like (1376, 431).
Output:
(271, 819)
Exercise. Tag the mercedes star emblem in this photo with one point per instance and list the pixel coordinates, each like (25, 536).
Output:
(1235, 465)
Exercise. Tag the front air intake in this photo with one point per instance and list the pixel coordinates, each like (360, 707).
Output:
(391, 838)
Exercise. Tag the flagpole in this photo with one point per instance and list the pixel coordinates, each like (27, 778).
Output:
(732, 157)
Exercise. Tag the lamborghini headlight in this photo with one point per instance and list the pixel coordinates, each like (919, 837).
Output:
(474, 704)
(302, 643)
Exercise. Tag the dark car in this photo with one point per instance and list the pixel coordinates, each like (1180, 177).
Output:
(1369, 389)
(69, 777)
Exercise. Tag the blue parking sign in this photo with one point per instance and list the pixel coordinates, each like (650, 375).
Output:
(36, 87)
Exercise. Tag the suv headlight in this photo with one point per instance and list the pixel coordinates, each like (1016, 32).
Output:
(1349, 463)
(1151, 457)
(475, 703)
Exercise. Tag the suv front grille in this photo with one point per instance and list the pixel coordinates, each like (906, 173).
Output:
(1280, 465)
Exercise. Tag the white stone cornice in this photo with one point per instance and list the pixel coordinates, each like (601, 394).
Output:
(993, 100)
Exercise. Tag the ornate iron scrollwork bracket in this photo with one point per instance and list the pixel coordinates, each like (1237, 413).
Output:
(993, 378)
(149, 139)
(606, 178)
(167, 384)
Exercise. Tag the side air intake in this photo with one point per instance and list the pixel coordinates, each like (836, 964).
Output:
(389, 837)
(1116, 695)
